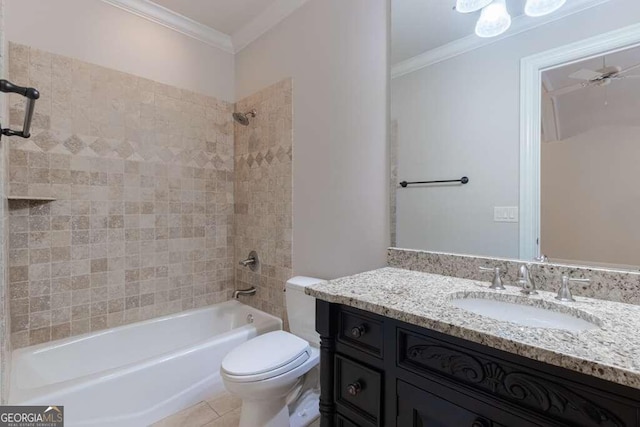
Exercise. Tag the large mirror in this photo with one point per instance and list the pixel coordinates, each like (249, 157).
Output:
(516, 133)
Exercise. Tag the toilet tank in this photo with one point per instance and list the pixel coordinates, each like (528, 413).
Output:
(301, 309)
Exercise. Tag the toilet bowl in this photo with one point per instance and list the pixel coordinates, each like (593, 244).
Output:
(276, 374)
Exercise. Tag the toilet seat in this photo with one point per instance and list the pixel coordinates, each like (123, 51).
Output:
(265, 356)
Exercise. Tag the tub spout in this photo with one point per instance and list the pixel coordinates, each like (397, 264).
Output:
(247, 292)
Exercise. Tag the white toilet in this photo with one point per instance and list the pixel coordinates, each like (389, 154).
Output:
(276, 374)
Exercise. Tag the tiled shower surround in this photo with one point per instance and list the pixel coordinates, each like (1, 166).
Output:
(263, 157)
(143, 177)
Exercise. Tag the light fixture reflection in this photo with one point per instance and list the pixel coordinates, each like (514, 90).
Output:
(537, 8)
(494, 20)
(468, 6)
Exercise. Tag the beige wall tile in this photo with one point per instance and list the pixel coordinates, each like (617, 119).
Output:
(107, 251)
(262, 210)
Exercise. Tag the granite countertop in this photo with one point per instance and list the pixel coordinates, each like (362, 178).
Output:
(610, 352)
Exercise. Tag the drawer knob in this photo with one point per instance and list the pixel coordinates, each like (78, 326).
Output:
(354, 388)
(358, 331)
(481, 422)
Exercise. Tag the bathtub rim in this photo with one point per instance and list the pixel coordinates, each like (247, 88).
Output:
(26, 395)
(36, 348)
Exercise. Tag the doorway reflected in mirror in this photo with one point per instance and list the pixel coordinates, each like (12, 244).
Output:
(590, 152)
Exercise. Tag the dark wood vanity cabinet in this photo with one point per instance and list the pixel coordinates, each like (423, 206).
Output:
(376, 371)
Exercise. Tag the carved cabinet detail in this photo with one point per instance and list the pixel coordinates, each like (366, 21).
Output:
(378, 371)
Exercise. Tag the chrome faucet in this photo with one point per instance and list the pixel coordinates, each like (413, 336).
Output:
(497, 280)
(252, 261)
(564, 293)
(524, 280)
(244, 292)
(248, 261)
(541, 258)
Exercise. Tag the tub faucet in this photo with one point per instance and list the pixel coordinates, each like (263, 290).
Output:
(246, 292)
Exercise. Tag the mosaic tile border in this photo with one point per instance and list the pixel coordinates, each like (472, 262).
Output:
(51, 141)
(254, 160)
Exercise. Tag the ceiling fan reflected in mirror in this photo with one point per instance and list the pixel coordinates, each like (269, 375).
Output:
(495, 18)
(602, 77)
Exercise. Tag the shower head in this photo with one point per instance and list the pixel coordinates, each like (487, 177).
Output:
(243, 118)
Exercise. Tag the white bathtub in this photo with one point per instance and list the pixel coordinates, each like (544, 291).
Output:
(136, 374)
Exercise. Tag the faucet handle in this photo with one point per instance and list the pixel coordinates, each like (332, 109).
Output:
(564, 293)
(252, 261)
(541, 258)
(497, 280)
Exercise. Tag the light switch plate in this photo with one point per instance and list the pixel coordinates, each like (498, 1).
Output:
(506, 214)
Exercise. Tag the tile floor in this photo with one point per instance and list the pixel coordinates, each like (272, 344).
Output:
(222, 410)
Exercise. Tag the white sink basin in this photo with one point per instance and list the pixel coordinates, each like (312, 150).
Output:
(524, 315)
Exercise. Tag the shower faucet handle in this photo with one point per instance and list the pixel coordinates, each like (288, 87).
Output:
(252, 261)
(248, 261)
(497, 280)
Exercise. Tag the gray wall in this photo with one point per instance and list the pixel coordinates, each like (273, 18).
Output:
(336, 53)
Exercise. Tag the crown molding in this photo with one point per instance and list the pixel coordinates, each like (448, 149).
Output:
(170, 19)
(268, 19)
(466, 44)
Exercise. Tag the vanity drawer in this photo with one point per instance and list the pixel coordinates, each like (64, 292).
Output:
(361, 331)
(358, 390)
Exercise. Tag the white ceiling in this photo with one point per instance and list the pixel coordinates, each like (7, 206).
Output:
(226, 16)
(617, 104)
(418, 26)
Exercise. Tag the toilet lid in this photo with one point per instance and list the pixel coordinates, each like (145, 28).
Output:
(264, 354)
